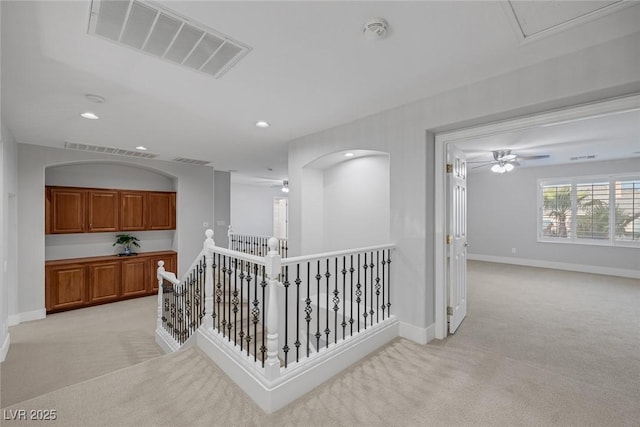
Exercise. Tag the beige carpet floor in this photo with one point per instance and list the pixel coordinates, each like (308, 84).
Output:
(538, 348)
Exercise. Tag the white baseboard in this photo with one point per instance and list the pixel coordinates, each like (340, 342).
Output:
(166, 341)
(582, 268)
(26, 316)
(5, 348)
(295, 380)
(416, 334)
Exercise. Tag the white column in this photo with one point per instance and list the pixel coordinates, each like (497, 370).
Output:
(272, 269)
(160, 280)
(209, 246)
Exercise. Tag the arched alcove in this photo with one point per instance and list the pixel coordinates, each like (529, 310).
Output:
(108, 175)
(346, 201)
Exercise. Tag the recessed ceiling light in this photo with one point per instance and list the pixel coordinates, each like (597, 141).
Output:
(89, 115)
(141, 148)
(94, 98)
(349, 154)
(262, 124)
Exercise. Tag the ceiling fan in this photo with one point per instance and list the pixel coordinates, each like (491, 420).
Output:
(504, 161)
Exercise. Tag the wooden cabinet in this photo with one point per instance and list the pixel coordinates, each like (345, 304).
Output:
(66, 287)
(132, 210)
(104, 281)
(82, 210)
(67, 210)
(81, 282)
(102, 210)
(161, 211)
(135, 280)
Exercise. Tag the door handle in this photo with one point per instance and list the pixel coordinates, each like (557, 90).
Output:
(466, 244)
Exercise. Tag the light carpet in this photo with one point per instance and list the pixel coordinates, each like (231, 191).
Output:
(537, 349)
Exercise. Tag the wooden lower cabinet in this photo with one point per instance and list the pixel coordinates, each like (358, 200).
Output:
(104, 281)
(81, 282)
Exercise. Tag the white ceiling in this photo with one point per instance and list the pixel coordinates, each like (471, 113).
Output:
(309, 69)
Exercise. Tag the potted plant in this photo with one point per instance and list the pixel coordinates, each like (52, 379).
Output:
(126, 241)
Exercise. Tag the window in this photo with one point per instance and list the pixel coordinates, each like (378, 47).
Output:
(590, 210)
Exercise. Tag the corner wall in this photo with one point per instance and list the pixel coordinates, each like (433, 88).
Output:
(579, 77)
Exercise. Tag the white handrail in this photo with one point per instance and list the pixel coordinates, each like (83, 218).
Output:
(313, 257)
(240, 255)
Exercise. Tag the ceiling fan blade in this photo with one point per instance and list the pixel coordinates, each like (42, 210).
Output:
(539, 156)
(481, 161)
(481, 166)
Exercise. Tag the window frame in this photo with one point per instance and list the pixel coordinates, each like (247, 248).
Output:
(573, 182)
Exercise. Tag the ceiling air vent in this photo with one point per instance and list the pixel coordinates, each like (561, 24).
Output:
(161, 33)
(191, 161)
(108, 150)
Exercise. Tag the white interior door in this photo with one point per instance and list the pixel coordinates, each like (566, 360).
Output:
(456, 237)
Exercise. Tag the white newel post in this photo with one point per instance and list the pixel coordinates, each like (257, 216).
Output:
(272, 267)
(160, 280)
(209, 246)
(229, 233)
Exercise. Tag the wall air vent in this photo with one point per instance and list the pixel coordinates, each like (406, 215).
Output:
(108, 150)
(588, 157)
(191, 161)
(161, 33)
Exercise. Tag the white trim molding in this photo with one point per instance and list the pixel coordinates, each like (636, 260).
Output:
(5, 348)
(582, 268)
(417, 334)
(26, 316)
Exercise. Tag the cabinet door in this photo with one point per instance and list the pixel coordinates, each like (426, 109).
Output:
(161, 211)
(170, 264)
(65, 287)
(104, 281)
(132, 210)
(103, 210)
(134, 277)
(67, 210)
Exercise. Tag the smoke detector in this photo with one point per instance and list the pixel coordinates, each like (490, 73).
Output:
(375, 28)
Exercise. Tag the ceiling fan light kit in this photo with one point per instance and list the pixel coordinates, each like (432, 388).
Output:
(504, 161)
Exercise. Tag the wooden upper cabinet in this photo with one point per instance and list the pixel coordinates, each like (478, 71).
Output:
(68, 213)
(82, 210)
(132, 210)
(103, 210)
(161, 211)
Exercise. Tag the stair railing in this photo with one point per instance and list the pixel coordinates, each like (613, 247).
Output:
(272, 312)
(255, 244)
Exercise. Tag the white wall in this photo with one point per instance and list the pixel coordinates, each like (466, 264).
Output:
(222, 209)
(356, 203)
(194, 207)
(503, 215)
(252, 208)
(610, 69)
(112, 176)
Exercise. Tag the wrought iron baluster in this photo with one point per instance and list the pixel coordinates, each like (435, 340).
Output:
(263, 349)
(371, 311)
(242, 277)
(318, 334)
(230, 271)
(255, 313)
(336, 301)
(308, 308)
(364, 314)
(388, 282)
(377, 286)
(351, 270)
(327, 331)
(297, 282)
(344, 299)
(216, 277)
(249, 279)
(286, 284)
(358, 293)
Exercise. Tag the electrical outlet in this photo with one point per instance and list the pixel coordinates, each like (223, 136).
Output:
(513, 250)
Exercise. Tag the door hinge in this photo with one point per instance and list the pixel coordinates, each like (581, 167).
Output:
(449, 311)
(449, 168)
(449, 239)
